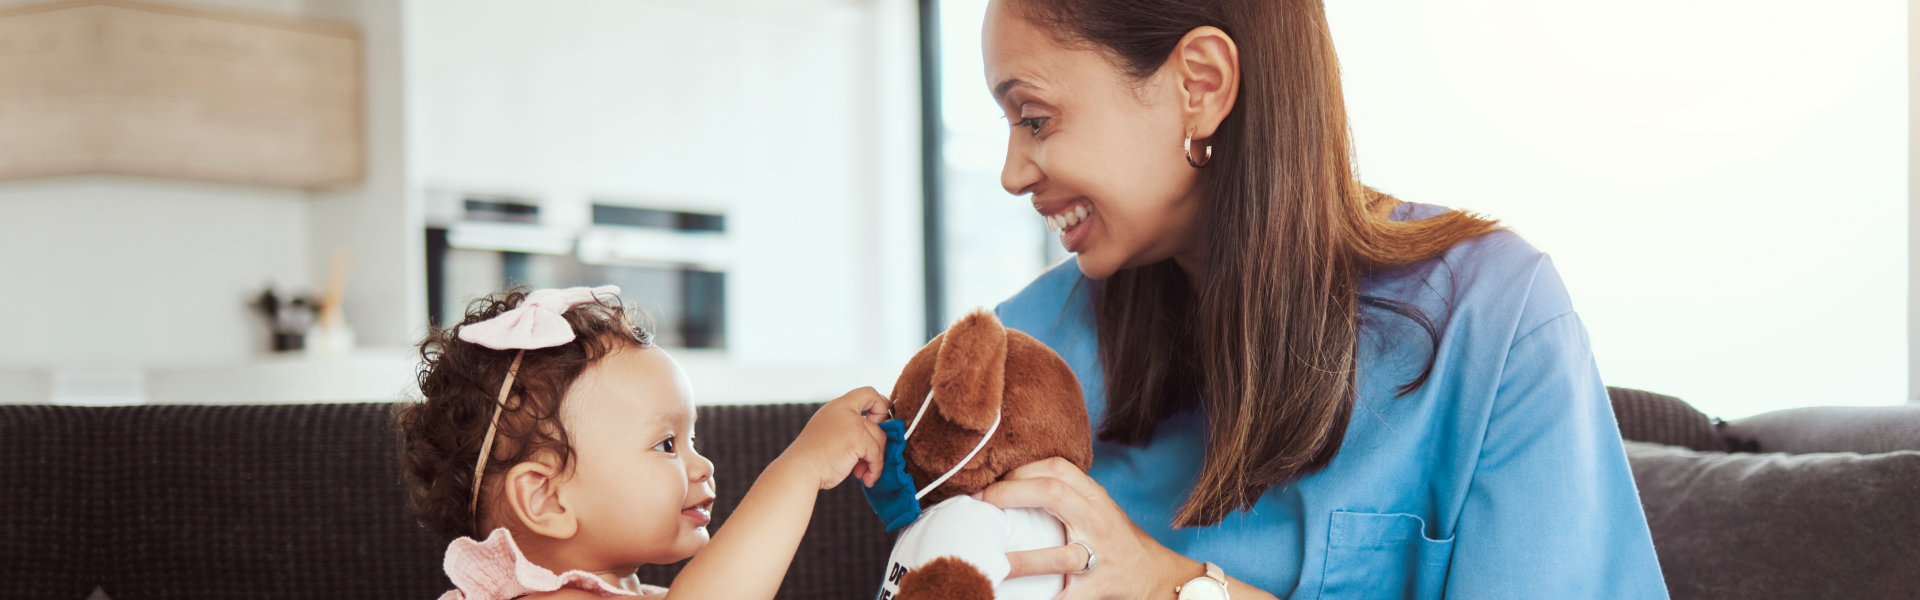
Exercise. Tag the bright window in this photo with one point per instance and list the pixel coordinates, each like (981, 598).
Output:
(1722, 183)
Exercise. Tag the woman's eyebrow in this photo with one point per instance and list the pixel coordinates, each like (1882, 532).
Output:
(1000, 90)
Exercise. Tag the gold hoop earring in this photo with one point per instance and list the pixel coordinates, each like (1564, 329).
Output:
(1206, 153)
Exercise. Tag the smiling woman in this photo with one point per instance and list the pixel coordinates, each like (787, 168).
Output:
(1238, 297)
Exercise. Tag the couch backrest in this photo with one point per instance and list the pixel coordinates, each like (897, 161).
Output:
(305, 501)
(52, 505)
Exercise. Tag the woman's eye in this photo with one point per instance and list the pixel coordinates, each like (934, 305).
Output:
(665, 445)
(1033, 123)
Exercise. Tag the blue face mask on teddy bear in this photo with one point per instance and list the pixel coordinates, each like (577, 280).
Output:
(893, 496)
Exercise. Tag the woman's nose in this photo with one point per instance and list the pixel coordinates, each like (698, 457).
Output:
(1019, 174)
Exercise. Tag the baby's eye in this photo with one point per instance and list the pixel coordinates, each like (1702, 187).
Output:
(665, 445)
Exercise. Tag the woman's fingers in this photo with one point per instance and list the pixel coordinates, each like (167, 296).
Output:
(1062, 470)
(1057, 498)
(1058, 560)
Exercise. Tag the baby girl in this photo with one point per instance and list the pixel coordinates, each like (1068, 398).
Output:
(556, 451)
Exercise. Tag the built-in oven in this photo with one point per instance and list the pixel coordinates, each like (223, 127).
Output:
(670, 262)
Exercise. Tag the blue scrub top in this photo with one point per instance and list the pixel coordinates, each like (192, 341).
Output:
(1502, 477)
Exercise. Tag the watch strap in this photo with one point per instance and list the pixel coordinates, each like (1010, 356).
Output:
(1214, 573)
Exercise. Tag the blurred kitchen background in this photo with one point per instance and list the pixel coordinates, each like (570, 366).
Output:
(801, 192)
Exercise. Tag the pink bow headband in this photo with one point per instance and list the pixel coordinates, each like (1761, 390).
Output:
(536, 323)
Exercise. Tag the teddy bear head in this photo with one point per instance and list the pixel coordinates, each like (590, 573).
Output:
(985, 381)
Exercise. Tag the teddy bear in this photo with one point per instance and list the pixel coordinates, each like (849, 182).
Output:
(977, 402)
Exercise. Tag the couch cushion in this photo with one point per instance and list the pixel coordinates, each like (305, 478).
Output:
(1863, 429)
(1661, 419)
(1779, 525)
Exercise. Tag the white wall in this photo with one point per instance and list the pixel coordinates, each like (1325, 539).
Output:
(116, 273)
(1722, 183)
(377, 222)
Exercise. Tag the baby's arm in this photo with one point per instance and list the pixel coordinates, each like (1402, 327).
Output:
(749, 557)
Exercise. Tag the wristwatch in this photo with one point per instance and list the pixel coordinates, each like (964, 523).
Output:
(1211, 586)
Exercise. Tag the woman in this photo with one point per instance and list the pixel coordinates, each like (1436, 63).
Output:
(1300, 387)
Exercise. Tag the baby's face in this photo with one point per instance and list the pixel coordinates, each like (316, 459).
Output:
(641, 490)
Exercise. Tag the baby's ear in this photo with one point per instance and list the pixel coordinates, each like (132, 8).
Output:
(533, 497)
(970, 376)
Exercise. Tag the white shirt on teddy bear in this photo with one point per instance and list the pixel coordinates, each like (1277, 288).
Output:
(980, 534)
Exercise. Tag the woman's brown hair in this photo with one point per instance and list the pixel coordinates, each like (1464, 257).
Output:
(1266, 339)
(440, 437)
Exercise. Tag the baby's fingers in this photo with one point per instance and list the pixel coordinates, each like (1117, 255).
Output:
(874, 456)
(866, 401)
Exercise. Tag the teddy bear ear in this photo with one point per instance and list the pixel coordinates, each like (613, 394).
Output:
(970, 375)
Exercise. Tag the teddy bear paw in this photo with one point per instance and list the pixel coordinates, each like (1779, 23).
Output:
(945, 578)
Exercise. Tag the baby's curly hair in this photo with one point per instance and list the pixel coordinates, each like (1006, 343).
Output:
(440, 437)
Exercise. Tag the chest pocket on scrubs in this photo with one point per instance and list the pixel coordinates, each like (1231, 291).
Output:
(1371, 555)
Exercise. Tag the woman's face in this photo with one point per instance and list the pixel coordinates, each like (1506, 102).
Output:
(1100, 153)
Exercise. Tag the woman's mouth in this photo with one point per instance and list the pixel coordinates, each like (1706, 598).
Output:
(1070, 220)
(701, 513)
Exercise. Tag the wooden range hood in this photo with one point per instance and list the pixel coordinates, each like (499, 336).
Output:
(135, 88)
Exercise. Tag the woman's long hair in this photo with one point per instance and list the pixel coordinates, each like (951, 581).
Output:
(1266, 338)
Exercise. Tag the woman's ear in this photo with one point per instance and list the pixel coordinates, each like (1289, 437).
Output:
(533, 490)
(1206, 66)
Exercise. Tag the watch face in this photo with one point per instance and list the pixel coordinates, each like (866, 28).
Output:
(1203, 588)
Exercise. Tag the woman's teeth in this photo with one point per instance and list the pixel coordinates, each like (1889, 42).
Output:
(1068, 219)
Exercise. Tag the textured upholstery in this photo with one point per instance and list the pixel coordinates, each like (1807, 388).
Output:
(52, 505)
(1861, 429)
(262, 502)
(305, 501)
(1661, 419)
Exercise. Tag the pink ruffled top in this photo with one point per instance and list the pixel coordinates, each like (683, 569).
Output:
(496, 570)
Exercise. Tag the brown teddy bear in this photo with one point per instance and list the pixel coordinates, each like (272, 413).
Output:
(977, 402)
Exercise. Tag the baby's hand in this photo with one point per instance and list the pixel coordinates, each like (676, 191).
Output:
(842, 439)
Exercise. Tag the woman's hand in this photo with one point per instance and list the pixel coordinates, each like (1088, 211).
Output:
(1131, 564)
(842, 439)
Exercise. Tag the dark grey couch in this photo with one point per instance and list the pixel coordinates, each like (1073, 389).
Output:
(1800, 503)
(303, 501)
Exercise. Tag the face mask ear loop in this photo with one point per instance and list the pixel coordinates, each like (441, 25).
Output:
(926, 407)
(916, 416)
